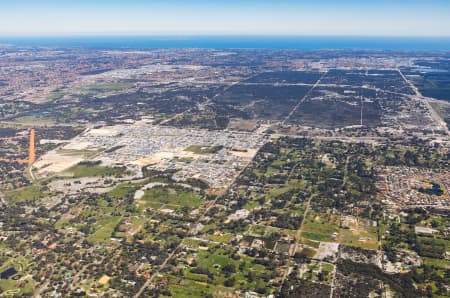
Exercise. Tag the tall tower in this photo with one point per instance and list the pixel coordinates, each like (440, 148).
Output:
(31, 150)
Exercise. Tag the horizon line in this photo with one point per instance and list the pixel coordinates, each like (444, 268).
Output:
(187, 35)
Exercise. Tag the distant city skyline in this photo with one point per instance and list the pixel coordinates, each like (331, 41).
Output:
(232, 17)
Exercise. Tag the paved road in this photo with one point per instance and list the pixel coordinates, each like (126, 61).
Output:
(426, 101)
(303, 98)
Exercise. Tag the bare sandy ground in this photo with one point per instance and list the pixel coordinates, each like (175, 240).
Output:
(327, 249)
(54, 162)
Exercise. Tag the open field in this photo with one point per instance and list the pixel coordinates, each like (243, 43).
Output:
(199, 149)
(321, 227)
(86, 170)
(171, 196)
(103, 230)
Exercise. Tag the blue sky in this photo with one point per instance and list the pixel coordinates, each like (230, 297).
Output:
(299, 17)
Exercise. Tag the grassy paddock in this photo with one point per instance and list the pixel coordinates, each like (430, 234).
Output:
(81, 170)
(199, 149)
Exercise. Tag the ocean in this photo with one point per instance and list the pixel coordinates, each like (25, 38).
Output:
(237, 42)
